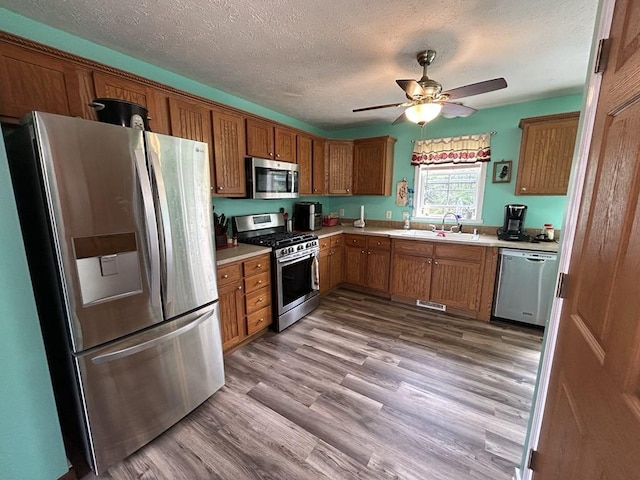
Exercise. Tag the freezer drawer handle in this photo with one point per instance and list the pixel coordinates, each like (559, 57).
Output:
(126, 352)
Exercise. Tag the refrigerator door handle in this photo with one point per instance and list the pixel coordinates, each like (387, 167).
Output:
(125, 352)
(169, 273)
(151, 226)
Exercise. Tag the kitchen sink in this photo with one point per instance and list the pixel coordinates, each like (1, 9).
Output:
(430, 235)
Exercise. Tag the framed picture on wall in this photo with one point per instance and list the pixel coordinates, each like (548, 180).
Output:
(502, 171)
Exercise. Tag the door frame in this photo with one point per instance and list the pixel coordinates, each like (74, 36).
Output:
(581, 156)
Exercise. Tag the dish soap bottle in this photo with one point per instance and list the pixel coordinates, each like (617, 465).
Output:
(549, 232)
(405, 217)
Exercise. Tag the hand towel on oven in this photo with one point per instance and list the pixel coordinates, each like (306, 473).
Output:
(315, 273)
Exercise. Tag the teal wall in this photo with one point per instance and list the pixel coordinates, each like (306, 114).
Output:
(505, 145)
(30, 439)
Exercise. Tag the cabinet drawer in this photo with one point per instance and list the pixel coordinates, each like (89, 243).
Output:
(258, 320)
(380, 243)
(229, 274)
(337, 241)
(257, 265)
(258, 300)
(459, 252)
(413, 247)
(324, 243)
(255, 282)
(355, 241)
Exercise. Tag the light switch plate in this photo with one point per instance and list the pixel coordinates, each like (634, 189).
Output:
(388, 214)
(342, 212)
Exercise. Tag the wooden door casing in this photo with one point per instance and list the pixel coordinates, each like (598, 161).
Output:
(228, 154)
(591, 422)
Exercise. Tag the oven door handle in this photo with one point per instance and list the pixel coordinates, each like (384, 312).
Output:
(283, 262)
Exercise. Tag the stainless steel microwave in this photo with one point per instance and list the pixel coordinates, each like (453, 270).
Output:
(271, 179)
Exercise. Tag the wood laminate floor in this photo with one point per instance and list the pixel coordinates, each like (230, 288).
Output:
(360, 389)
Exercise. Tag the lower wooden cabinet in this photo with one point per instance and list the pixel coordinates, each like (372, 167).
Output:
(331, 262)
(244, 290)
(368, 260)
(460, 277)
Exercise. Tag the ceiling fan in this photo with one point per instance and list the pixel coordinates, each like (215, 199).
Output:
(427, 100)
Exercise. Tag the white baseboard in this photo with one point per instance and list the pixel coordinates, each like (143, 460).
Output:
(517, 475)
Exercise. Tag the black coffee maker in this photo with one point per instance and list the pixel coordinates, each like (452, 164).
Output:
(513, 224)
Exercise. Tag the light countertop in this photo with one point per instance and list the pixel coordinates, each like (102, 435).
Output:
(240, 252)
(482, 240)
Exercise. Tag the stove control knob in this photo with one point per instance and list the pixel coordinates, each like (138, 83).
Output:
(300, 247)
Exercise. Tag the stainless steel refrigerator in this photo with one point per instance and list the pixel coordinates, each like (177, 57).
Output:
(117, 228)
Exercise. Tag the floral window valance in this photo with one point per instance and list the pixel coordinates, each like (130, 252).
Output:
(464, 149)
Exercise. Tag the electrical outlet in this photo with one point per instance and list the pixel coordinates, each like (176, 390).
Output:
(388, 214)
(342, 212)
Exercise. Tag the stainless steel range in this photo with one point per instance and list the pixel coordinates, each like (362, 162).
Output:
(294, 264)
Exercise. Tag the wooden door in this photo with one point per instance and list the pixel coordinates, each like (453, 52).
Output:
(411, 276)
(260, 139)
(319, 173)
(591, 422)
(378, 262)
(228, 154)
(231, 302)
(339, 155)
(455, 283)
(33, 81)
(356, 262)
(325, 270)
(305, 165)
(285, 144)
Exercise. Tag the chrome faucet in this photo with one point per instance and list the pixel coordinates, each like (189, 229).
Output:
(457, 225)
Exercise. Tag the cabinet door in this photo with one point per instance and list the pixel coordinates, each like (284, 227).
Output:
(319, 173)
(411, 276)
(305, 165)
(456, 283)
(356, 263)
(337, 266)
(285, 144)
(325, 270)
(339, 155)
(546, 153)
(228, 154)
(378, 269)
(110, 86)
(32, 81)
(373, 166)
(260, 139)
(232, 321)
(190, 120)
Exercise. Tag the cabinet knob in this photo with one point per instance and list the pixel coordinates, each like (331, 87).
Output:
(429, 262)
(271, 154)
(259, 282)
(362, 251)
(220, 188)
(277, 155)
(354, 240)
(226, 275)
(524, 189)
(348, 190)
(260, 320)
(260, 300)
(378, 243)
(369, 252)
(435, 263)
(240, 287)
(259, 265)
(315, 189)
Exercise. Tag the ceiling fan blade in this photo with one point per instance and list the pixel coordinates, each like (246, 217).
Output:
(451, 110)
(411, 88)
(400, 119)
(476, 88)
(378, 106)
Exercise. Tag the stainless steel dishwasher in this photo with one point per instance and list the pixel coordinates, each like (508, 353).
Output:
(526, 281)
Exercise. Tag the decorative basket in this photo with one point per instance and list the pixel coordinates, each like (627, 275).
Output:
(329, 221)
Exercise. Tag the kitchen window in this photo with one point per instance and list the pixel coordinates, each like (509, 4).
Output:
(457, 188)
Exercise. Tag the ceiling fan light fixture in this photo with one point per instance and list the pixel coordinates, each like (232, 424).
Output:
(423, 112)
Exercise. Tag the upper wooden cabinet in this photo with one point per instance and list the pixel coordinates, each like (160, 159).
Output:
(339, 163)
(266, 140)
(319, 172)
(228, 154)
(305, 164)
(35, 81)
(373, 165)
(546, 153)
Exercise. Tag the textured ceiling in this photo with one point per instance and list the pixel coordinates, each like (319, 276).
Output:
(316, 60)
